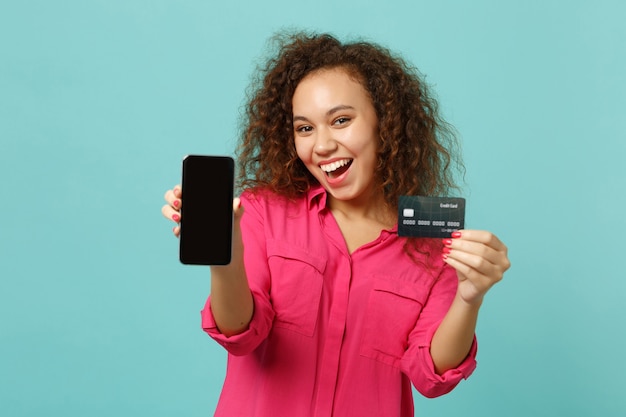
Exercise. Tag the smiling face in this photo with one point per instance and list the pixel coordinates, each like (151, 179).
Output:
(336, 135)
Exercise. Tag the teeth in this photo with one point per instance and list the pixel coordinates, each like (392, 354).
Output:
(334, 165)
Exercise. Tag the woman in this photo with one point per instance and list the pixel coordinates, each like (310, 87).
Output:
(325, 310)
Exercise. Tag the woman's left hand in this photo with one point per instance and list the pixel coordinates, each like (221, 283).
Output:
(480, 260)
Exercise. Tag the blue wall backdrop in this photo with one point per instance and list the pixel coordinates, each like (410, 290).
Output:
(99, 101)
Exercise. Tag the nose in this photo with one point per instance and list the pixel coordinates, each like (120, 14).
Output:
(324, 142)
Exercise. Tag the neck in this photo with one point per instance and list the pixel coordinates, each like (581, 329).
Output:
(372, 208)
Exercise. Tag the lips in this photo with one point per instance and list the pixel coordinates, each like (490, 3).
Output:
(336, 168)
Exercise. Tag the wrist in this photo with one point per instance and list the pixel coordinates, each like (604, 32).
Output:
(473, 303)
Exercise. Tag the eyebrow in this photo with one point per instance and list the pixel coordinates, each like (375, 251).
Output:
(328, 113)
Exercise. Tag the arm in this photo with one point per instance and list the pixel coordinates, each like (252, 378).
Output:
(231, 299)
(480, 260)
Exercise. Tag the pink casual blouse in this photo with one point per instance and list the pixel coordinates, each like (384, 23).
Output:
(333, 333)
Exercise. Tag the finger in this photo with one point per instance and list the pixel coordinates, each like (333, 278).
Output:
(170, 213)
(482, 243)
(172, 200)
(174, 197)
(481, 279)
(237, 208)
(472, 284)
(482, 236)
(473, 248)
(475, 263)
(178, 191)
(176, 231)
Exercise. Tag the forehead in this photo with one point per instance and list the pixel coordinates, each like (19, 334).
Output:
(340, 71)
(329, 86)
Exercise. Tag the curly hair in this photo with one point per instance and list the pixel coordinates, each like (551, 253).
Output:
(418, 150)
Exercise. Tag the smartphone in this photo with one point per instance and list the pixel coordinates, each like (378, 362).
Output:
(206, 225)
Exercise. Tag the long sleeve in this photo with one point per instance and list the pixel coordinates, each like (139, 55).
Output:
(255, 260)
(417, 362)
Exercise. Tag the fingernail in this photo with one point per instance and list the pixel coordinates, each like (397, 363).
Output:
(447, 250)
(444, 256)
(175, 217)
(447, 242)
(176, 203)
(456, 234)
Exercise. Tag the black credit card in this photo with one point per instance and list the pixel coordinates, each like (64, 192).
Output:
(436, 217)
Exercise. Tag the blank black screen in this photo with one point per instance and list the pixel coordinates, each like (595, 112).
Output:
(207, 210)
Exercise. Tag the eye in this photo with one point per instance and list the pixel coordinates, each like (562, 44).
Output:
(304, 129)
(341, 120)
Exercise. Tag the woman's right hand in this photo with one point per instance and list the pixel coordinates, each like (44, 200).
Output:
(174, 201)
(171, 210)
(231, 300)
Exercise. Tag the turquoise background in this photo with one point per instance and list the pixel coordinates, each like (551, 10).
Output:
(99, 101)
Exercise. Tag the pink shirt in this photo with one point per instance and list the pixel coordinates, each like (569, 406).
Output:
(333, 333)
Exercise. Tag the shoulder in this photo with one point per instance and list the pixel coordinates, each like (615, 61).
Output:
(263, 199)
(276, 217)
(260, 197)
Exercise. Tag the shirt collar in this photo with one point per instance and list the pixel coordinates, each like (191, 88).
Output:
(316, 196)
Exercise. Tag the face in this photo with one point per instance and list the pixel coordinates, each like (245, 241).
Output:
(336, 134)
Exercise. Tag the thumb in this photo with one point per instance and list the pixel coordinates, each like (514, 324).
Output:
(237, 208)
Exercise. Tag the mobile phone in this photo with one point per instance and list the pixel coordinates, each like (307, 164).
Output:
(206, 225)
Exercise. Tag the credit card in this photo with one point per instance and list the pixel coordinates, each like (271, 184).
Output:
(436, 217)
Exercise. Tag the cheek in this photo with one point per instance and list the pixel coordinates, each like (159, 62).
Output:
(367, 147)
(303, 151)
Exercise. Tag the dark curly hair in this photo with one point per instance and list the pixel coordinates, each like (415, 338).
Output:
(418, 151)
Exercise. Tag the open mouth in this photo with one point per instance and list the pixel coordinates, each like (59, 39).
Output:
(336, 168)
